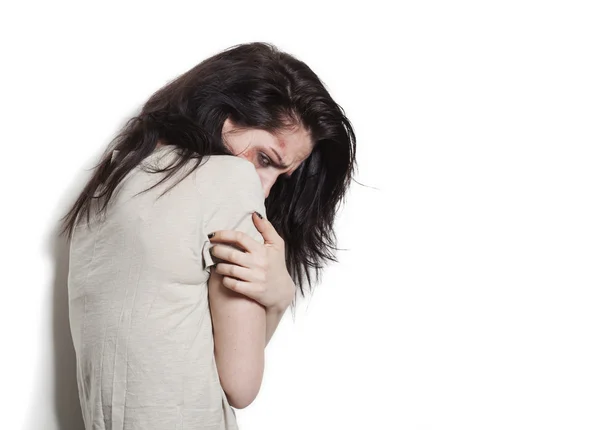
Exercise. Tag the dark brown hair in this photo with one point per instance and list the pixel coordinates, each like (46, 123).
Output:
(257, 86)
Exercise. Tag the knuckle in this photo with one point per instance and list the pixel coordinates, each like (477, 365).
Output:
(231, 255)
(230, 283)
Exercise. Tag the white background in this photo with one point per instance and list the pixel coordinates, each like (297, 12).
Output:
(468, 294)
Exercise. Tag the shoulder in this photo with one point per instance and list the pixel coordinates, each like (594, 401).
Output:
(227, 176)
(229, 162)
(230, 191)
(226, 168)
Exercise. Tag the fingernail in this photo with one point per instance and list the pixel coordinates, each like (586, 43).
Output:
(259, 215)
(211, 235)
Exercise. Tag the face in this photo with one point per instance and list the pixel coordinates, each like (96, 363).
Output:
(273, 155)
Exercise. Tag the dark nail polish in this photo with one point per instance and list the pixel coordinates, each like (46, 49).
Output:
(211, 235)
(259, 215)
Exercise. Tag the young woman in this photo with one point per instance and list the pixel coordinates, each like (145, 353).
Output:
(187, 245)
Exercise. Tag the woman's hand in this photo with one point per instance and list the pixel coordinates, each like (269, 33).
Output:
(260, 272)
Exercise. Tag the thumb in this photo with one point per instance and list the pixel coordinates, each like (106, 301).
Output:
(265, 228)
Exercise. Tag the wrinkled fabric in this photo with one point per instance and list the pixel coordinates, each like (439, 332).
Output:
(138, 296)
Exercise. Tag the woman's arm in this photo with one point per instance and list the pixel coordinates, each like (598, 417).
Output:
(238, 323)
(259, 272)
(240, 284)
(239, 326)
(273, 317)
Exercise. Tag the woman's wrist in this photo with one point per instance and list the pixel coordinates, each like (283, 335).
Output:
(282, 305)
(275, 312)
(277, 309)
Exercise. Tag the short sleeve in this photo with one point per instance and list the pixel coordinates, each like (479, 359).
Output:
(230, 191)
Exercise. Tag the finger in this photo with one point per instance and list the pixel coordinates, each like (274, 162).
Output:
(241, 287)
(241, 240)
(232, 255)
(235, 271)
(264, 226)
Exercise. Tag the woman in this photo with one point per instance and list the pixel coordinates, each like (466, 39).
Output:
(177, 278)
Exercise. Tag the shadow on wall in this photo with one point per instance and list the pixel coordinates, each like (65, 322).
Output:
(66, 398)
(67, 408)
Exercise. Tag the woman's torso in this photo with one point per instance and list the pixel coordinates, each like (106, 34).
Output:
(138, 306)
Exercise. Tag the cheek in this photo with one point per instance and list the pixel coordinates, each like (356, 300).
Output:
(267, 178)
(263, 175)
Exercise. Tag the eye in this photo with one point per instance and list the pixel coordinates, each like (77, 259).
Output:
(264, 160)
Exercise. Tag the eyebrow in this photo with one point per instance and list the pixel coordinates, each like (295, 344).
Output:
(280, 164)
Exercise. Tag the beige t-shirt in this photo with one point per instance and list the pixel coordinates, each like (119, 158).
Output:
(138, 297)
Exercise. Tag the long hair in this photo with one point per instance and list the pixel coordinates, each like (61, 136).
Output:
(256, 86)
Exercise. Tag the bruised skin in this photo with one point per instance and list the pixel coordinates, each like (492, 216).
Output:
(273, 155)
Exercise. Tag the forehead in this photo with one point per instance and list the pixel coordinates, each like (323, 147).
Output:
(295, 142)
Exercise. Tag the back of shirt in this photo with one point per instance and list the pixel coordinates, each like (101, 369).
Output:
(138, 295)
